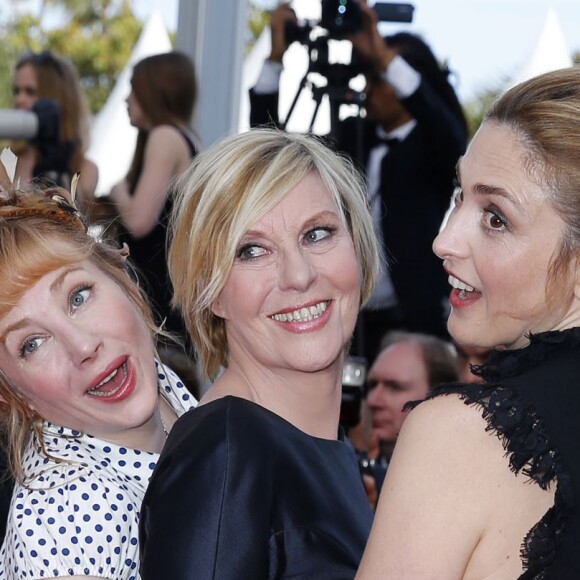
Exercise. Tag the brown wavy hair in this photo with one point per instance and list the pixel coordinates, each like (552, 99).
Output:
(58, 81)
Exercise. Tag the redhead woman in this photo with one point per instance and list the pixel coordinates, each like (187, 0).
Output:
(84, 403)
(273, 255)
(484, 482)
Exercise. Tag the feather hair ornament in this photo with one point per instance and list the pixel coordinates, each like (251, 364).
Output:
(7, 168)
(50, 201)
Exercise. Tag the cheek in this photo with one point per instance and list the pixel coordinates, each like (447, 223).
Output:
(35, 390)
(512, 288)
(245, 293)
(344, 270)
(122, 320)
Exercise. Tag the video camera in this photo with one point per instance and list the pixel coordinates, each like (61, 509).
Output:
(41, 126)
(343, 17)
(339, 18)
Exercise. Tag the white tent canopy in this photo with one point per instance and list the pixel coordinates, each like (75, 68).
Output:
(550, 52)
(112, 136)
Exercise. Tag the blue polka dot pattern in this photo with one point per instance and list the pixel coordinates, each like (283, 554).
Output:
(80, 515)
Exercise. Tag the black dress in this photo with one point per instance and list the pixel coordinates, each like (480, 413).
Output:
(149, 256)
(531, 400)
(240, 493)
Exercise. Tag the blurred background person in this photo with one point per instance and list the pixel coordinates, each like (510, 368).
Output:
(408, 143)
(45, 75)
(484, 481)
(272, 255)
(85, 405)
(160, 105)
(408, 366)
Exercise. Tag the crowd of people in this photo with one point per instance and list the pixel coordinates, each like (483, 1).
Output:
(260, 265)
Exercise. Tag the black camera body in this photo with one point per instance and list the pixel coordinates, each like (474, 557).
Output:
(343, 17)
(354, 372)
(339, 18)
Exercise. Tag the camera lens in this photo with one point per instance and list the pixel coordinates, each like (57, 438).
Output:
(340, 17)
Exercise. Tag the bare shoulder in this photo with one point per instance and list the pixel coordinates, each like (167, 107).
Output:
(431, 517)
(167, 141)
(167, 133)
(445, 435)
(445, 415)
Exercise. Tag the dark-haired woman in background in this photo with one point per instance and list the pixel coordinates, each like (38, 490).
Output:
(160, 105)
(49, 76)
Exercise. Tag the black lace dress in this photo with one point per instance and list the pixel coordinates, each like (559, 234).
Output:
(531, 400)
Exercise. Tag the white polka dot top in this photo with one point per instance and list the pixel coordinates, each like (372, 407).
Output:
(81, 517)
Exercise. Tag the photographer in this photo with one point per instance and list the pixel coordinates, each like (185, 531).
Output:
(407, 144)
(48, 85)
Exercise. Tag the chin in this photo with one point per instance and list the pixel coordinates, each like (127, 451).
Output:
(309, 364)
(460, 331)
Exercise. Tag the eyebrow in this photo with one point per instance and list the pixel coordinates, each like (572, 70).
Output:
(56, 285)
(321, 215)
(486, 190)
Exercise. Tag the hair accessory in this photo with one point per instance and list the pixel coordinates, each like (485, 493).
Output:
(7, 168)
(50, 201)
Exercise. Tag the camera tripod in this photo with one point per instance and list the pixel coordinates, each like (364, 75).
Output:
(337, 88)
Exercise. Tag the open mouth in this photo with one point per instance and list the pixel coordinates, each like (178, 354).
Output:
(111, 384)
(464, 290)
(304, 314)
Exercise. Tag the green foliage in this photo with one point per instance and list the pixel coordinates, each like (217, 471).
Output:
(258, 19)
(96, 35)
(476, 107)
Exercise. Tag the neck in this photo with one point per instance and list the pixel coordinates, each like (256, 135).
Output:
(149, 436)
(308, 400)
(394, 123)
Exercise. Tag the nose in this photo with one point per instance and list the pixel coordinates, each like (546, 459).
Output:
(83, 344)
(19, 100)
(296, 270)
(452, 240)
(375, 397)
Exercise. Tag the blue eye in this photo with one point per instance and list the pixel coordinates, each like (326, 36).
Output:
(29, 346)
(318, 234)
(79, 296)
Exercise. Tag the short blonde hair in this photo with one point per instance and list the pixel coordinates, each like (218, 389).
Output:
(228, 188)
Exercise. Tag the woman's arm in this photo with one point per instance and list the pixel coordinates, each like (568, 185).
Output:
(433, 505)
(88, 178)
(166, 152)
